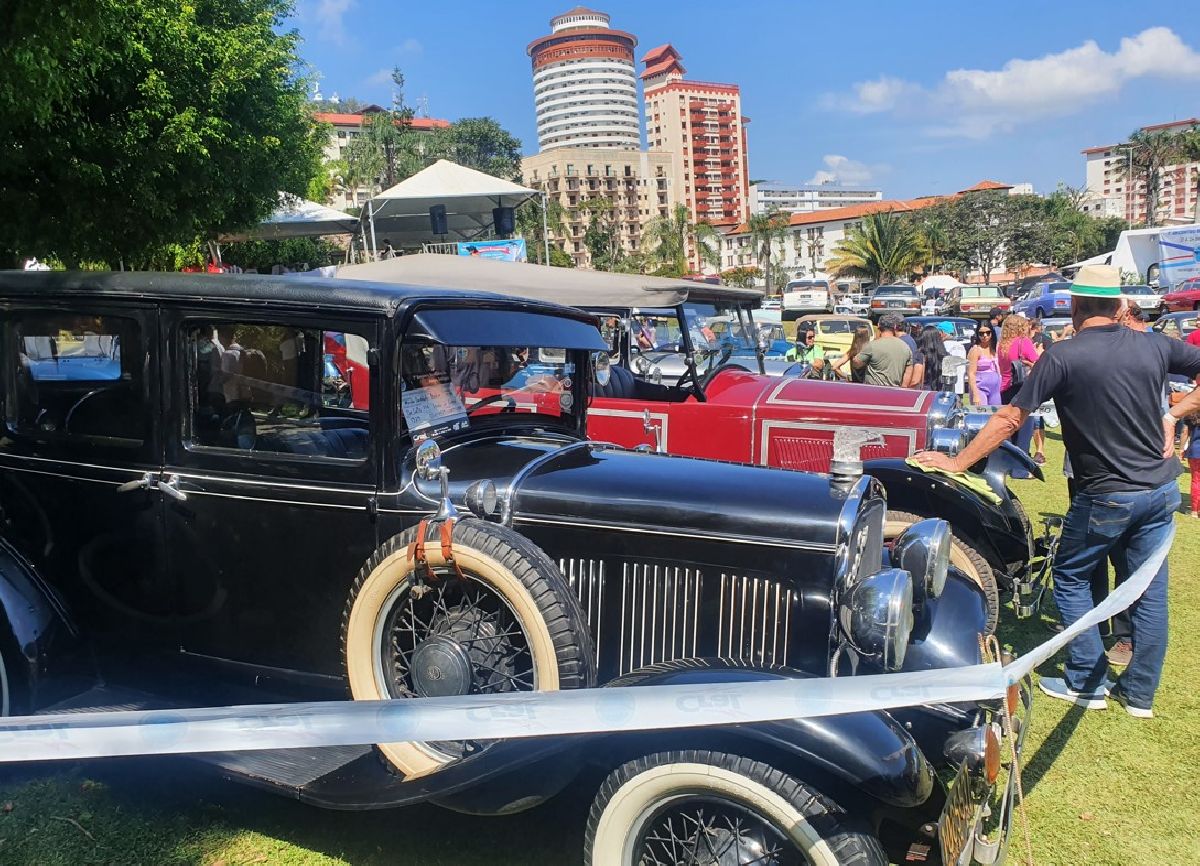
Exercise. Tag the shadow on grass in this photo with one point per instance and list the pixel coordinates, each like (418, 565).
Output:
(1035, 768)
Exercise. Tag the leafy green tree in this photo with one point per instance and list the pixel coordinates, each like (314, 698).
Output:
(560, 258)
(978, 227)
(261, 255)
(126, 125)
(528, 218)
(389, 135)
(743, 276)
(668, 238)
(883, 247)
(766, 230)
(1149, 153)
(480, 143)
(932, 234)
(602, 237)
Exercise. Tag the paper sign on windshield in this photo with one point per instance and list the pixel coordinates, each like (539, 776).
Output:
(433, 408)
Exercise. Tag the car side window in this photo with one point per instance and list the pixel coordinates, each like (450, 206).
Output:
(76, 378)
(277, 390)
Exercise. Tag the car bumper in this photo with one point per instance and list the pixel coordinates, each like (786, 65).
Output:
(976, 823)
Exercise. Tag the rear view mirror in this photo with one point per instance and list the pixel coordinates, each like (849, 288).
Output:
(601, 368)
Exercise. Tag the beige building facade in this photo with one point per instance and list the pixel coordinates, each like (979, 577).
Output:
(1112, 192)
(637, 183)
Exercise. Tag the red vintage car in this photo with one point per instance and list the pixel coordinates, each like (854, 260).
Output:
(1185, 296)
(686, 376)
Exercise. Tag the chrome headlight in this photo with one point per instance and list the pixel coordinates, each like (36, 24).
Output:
(923, 550)
(876, 615)
(942, 410)
(948, 441)
(481, 498)
(973, 422)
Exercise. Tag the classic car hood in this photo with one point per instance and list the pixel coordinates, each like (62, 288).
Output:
(589, 484)
(773, 397)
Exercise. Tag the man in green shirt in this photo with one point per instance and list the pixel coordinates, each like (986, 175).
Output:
(885, 358)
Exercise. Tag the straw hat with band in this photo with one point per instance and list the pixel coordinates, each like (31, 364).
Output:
(1097, 281)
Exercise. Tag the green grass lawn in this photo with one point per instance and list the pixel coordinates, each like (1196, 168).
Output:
(1102, 788)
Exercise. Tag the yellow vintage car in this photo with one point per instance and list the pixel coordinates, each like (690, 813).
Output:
(834, 332)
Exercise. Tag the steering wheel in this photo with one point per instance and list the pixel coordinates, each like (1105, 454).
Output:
(495, 398)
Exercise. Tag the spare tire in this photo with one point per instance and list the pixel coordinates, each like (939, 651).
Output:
(508, 623)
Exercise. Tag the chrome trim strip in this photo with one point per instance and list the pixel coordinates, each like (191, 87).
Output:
(768, 426)
(275, 501)
(70, 464)
(663, 417)
(256, 482)
(732, 539)
(67, 477)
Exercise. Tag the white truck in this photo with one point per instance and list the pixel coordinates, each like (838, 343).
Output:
(1162, 257)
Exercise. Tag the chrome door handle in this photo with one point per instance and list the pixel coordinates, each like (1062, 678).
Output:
(170, 487)
(144, 483)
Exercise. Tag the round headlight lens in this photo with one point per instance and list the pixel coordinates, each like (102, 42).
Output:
(923, 550)
(876, 615)
(481, 498)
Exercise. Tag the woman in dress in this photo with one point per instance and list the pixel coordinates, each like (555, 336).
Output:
(862, 336)
(983, 376)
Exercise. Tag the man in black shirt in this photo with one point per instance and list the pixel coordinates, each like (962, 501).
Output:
(1107, 386)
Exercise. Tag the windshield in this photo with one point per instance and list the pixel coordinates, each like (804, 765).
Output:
(843, 326)
(447, 388)
(980, 292)
(717, 327)
(1136, 290)
(909, 291)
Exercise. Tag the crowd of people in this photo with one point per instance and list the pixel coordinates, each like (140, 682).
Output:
(1110, 384)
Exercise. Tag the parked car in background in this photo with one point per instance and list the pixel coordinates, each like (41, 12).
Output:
(1055, 327)
(976, 302)
(1147, 298)
(773, 337)
(211, 527)
(852, 305)
(903, 299)
(964, 329)
(834, 333)
(1177, 324)
(806, 296)
(775, 302)
(1185, 296)
(1044, 300)
(724, 408)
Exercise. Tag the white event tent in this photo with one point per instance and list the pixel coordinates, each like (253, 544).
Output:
(296, 218)
(401, 213)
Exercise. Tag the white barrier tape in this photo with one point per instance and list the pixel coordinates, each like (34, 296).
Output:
(72, 736)
(1119, 599)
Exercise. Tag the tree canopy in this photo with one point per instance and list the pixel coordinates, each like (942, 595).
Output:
(882, 248)
(129, 124)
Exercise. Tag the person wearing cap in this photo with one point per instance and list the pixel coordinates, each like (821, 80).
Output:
(886, 360)
(1122, 457)
(957, 349)
(996, 317)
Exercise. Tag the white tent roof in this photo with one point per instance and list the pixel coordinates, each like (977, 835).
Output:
(401, 214)
(1102, 259)
(939, 281)
(297, 217)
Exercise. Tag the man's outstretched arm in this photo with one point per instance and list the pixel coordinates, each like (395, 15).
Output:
(1006, 422)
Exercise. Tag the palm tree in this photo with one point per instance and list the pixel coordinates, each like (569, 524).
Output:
(1189, 149)
(1148, 153)
(934, 240)
(883, 247)
(668, 237)
(765, 230)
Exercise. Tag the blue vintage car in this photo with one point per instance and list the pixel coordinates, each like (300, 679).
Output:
(1045, 300)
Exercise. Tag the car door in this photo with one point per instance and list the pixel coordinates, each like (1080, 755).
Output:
(80, 449)
(270, 481)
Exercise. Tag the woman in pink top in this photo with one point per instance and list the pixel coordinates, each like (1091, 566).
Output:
(1015, 348)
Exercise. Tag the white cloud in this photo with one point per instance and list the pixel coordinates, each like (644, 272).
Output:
(843, 170)
(328, 16)
(380, 77)
(411, 47)
(978, 102)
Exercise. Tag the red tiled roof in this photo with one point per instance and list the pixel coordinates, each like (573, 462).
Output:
(357, 119)
(984, 185)
(665, 66)
(854, 211)
(656, 54)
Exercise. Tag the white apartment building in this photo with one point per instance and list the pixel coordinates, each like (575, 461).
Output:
(1110, 191)
(584, 83)
(806, 197)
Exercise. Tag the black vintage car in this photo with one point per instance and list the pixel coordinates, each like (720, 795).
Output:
(199, 507)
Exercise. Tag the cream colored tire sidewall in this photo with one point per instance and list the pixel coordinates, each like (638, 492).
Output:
(631, 806)
(958, 556)
(367, 615)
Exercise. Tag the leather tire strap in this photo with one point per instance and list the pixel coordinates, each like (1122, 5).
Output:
(447, 533)
(416, 550)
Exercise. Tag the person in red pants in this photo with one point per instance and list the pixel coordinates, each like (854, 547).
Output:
(1191, 453)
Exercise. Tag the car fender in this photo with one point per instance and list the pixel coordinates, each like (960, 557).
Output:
(994, 530)
(869, 751)
(35, 631)
(1001, 463)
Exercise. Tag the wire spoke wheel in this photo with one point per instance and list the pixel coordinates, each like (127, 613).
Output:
(709, 831)
(444, 635)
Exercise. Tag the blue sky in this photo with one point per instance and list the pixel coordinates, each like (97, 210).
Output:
(916, 98)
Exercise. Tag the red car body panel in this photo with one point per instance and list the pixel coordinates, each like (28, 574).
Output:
(1185, 297)
(770, 421)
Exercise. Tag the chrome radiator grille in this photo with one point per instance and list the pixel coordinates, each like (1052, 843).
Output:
(586, 578)
(754, 620)
(660, 614)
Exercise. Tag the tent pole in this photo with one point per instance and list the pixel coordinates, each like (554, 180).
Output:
(371, 216)
(545, 231)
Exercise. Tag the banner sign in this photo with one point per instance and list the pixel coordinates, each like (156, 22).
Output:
(1178, 254)
(505, 251)
(71, 736)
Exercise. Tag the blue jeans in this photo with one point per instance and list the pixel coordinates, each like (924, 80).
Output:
(1127, 527)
